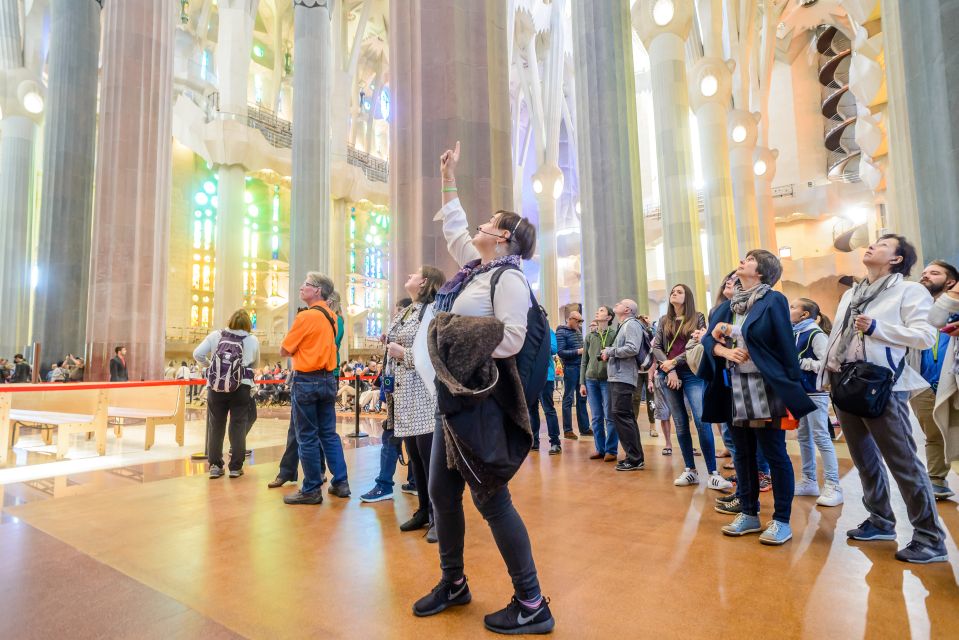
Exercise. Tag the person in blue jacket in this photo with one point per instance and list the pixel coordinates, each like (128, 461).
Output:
(752, 374)
(546, 400)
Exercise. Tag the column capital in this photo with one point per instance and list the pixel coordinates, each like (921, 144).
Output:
(743, 128)
(764, 163)
(312, 4)
(652, 18)
(710, 82)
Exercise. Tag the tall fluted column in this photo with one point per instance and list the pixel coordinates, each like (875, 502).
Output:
(449, 77)
(235, 40)
(66, 203)
(607, 140)
(664, 34)
(11, 55)
(133, 181)
(549, 180)
(17, 135)
(742, 142)
(764, 170)
(311, 208)
(710, 91)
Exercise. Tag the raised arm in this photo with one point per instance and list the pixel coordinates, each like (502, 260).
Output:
(455, 226)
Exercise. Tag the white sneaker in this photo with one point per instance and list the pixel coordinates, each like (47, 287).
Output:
(831, 495)
(807, 487)
(688, 477)
(718, 483)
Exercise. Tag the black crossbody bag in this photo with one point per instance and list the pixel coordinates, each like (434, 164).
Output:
(863, 389)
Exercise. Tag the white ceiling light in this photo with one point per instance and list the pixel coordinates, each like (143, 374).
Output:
(739, 133)
(579, 208)
(538, 186)
(709, 85)
(663, 12)
(558, 187)
(760, 168)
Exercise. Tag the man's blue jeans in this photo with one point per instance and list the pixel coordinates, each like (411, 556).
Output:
(693, 389)
(604, 432)
(314, 417)
(571, 395)
(552, 422)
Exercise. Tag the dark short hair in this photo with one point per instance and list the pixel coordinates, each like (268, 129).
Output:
(117, 350)
(905, 251)
(434, 280)
(522, 233)
(19, 355)
(609, 310)
(768, 266)
(951, 272)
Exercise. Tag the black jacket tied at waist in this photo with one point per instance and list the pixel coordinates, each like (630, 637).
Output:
(481, 399)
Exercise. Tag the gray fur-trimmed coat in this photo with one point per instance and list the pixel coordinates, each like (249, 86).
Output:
(481, 399)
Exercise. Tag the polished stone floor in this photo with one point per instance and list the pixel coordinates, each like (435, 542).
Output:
(157, 550)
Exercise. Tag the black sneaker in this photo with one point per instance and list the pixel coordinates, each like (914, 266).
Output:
(586, 434)
(298, 497)
(410, 488)
(340, 489)
(442, 597)
(629, 465)
(216, 471)
(727, 499)
(733, 507)
(419, 520)
(555, 450)
(918, 553)
(516, 619)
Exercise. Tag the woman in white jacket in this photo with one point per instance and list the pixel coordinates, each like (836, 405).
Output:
(884, 316)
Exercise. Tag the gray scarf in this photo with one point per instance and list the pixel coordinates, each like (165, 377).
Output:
(862, 294)
(744, 299)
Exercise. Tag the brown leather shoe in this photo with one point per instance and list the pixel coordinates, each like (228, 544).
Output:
(609, 458)
(569, 435)
(596, 456)
(279, 481)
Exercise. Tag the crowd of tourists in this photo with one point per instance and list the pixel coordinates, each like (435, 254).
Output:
(470, 361)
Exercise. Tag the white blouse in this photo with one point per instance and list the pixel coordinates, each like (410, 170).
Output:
(512, 290)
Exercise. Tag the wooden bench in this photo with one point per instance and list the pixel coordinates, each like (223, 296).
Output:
(156, 405)
(77, 410)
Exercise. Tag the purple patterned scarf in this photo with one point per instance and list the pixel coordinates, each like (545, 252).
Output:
(448, 292)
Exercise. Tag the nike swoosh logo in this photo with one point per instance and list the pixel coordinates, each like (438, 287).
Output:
(523, 620)
(457, 594)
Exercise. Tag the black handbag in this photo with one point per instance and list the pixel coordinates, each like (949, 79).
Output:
(863, 389)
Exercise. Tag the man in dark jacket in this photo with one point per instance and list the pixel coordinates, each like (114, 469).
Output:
(21, 370)
(569, 344)
(118, 365)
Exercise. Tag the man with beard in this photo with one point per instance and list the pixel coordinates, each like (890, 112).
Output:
(938, 277)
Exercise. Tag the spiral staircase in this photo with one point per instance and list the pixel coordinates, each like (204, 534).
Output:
(838, 105)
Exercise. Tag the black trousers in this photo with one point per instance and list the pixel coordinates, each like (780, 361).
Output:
(234, 405)
(420, 449)
(624, 419)
(509, 532)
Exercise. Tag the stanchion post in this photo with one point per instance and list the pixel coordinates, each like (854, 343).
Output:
(356, 409)
(206, 437)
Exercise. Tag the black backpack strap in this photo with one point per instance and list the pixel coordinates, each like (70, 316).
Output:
(495, 279)
(328, 317)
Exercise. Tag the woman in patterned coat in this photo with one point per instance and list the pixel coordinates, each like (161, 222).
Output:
(414, 408)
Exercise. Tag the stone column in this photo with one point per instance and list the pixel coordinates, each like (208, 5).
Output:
(930, 67)
(742, 142)
(449, 81)
(235, 40)
(228, 275)
(663, 28)
(11, 55)
(709, 90)
(17, 134)
(611, 200)
(66, 202)
(549, 179)
(764, 170)
(133, 182)
(311, 207)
